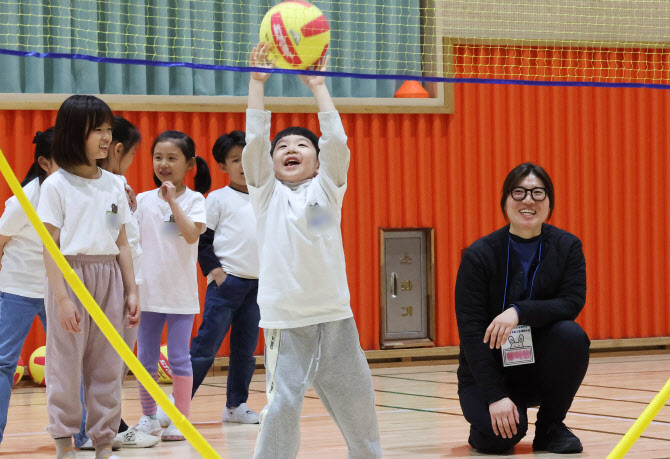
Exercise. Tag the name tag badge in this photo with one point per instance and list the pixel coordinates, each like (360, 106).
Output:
(113, 219)
(319, 219)
(518, 349)
(171, 229)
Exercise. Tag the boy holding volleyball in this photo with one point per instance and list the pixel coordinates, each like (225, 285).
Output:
(296, 185)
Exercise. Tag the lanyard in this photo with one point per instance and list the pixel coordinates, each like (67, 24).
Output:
(539, 258)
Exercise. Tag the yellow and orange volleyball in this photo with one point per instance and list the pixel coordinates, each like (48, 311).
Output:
(36, 365)
(164, 371)
(299, 32)
(18, 373)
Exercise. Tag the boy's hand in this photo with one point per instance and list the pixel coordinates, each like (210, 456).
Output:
(168, 191)
(312, 81)
(259, 58)
(219, 276)
(133, 306)
(68, 316)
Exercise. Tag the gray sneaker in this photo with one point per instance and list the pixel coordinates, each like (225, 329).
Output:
(241, 414)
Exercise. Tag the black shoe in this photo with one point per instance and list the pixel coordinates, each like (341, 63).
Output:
(556, 438)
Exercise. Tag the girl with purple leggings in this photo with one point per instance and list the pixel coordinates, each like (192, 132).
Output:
(171, 219)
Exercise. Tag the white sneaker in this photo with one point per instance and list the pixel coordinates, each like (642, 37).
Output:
(133, 438)
(163, 418)
(171, 433)
(242, 414)
(148, 426)
(87, 446)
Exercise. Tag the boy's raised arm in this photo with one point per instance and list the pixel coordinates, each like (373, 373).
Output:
(256, 159)
(334, 154)
(259, 59)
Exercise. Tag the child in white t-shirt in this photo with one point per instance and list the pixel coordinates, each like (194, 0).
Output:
(21, 271)
(85, 210)
(228, 256)
(171, 218)
(125, 140)
(296, 185)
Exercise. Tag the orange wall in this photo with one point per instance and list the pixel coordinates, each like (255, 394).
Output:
(606, 150)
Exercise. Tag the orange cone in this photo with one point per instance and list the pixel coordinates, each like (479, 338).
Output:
(412, 89)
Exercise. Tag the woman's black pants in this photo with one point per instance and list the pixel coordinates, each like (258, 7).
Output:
(561, 360)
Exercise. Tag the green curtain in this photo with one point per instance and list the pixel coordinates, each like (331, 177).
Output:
(380, 37)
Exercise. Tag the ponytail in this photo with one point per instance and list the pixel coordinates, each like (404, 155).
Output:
(202, 180)
(42, 141)
(34, 172)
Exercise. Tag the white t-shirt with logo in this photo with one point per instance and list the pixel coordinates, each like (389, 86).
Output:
(231, 217)
(89, 212)
(22, 270)
(169, 263)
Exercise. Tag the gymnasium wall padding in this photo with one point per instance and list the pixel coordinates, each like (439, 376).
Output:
(606, 150)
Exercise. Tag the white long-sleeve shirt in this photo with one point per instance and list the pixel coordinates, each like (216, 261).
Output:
(303, 278)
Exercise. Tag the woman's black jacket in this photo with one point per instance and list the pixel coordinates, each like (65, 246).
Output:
(558, 293)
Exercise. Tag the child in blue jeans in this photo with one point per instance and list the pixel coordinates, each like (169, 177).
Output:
(21, 271)
(228, 256)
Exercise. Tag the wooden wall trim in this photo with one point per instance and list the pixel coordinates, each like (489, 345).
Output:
(442, 103)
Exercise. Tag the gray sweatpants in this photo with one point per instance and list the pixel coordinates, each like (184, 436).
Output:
(328, 357)
(70, 356)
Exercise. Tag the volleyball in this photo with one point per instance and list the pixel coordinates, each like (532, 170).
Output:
(36, 365)
(18, 373)
(299, 31)
(164, 372)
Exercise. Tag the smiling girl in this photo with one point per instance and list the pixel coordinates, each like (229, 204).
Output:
(171, 218)
(84, 209)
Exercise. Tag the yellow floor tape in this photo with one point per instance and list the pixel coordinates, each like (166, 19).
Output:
(183, 424)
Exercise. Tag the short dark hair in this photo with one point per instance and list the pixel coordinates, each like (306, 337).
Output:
(225, 143)
(76, 118)
(296, 130)
(517, 175)
(42, 141)
(202, 180)
(126, 133)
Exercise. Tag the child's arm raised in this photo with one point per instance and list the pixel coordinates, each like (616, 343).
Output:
(256, 159)
(189, 229)
(258, 59)
(317, 84)
(68, 314)
(125, 261)
(334, 154)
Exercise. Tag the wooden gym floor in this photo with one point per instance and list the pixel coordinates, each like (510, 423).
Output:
(418, 410)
